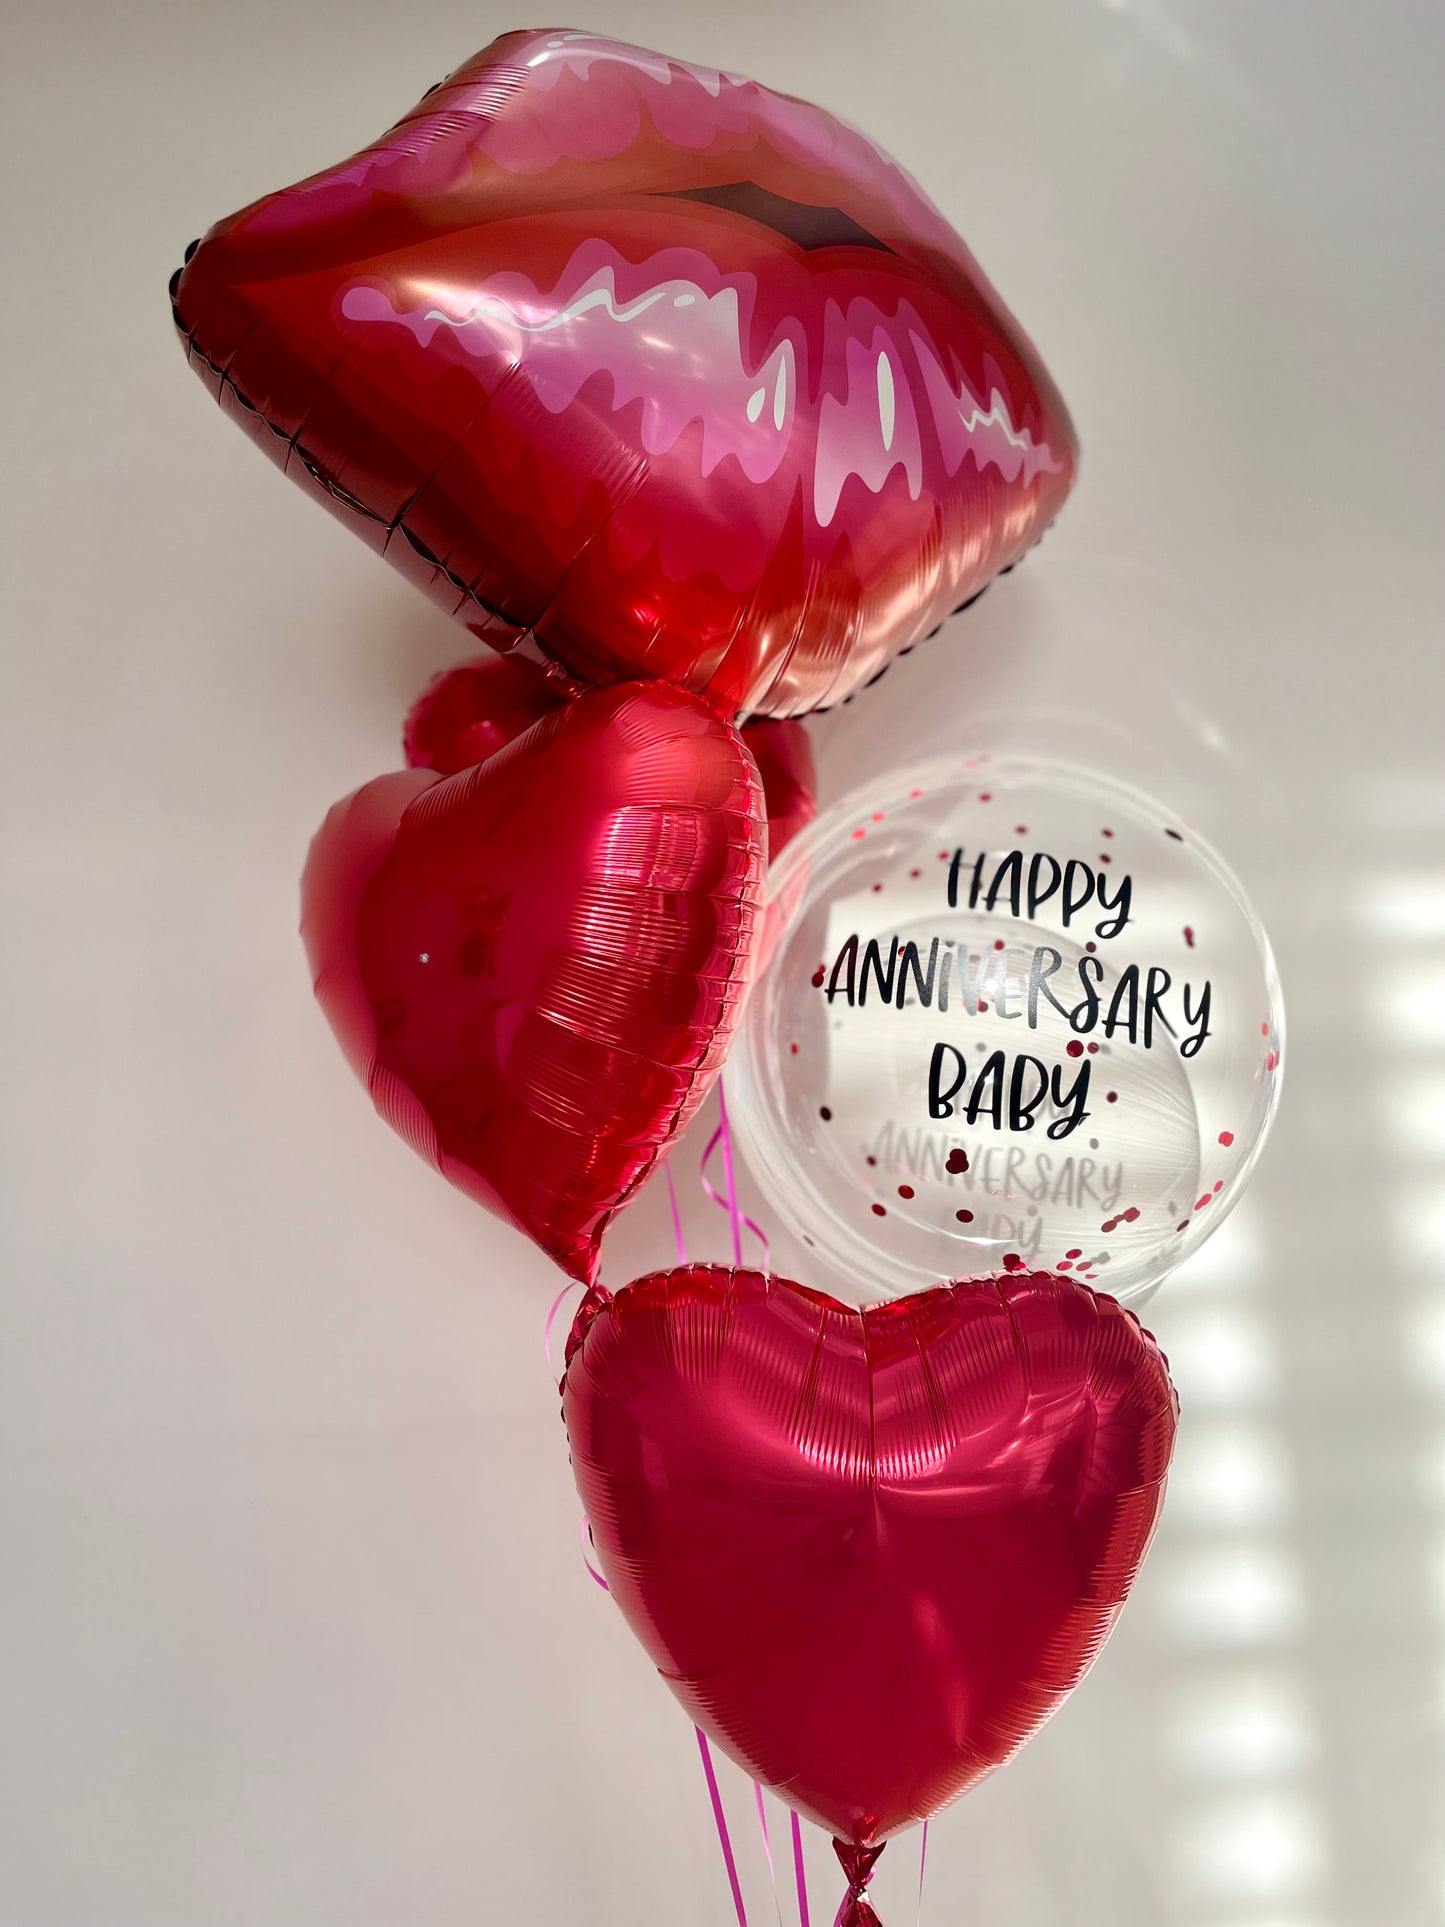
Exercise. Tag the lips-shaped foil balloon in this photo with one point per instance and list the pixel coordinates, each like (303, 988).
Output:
(536, 965)
(869, 1551)
(642, 369)
(475, 708)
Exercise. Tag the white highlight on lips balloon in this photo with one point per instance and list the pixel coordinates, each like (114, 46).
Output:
(886, 399)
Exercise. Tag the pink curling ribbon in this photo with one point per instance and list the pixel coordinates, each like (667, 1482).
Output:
(722, 1827)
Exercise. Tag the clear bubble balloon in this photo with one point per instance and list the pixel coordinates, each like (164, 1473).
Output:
(1015, 1015)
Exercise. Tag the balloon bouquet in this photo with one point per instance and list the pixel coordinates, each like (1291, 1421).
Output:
(684, 399)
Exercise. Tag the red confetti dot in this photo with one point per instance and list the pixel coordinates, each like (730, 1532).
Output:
(985, 796)
(1092, 1049)
(1065, 1265)
(825, 1114)
(998, 943)
(1202, 1202)
(794, 1049)
(914, 794)
(1226, 1138)
(905, 1190)
(1104, 856)
(1106, 832)
(1109, 1224)
(1012, 1261)
(915, 873)
(964, 1217)
(1218, 1186)
(859, 833)
(1189, 935)
(1271, 1060)
(1074, 1253)
(957, 1161)
(1075, 1048)
(818, 975)
(943, 856)
(1132, 1214)
(1021, 829)
(876, 888)
(877, 816)
(879, 1211)
(1111, 1097)
(1264, 1030)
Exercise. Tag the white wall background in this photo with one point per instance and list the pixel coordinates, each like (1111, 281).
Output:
(293, 1631)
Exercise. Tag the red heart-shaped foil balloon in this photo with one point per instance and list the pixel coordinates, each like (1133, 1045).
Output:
(869, 1551)
(536, 965)
(470, 711)
(642, 368)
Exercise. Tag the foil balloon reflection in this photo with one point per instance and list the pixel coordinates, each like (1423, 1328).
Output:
(536, 965)
(473, 709)
(641, 369)
(870, 1552)
(1015, 1016)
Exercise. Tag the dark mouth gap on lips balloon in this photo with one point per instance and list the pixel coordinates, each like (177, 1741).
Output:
(806, 226)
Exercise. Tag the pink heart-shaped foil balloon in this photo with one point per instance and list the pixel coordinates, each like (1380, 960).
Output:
(869, 1551)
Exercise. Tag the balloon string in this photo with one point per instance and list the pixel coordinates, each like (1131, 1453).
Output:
(922, 1866)
(767, 1848)
(722, 1827)
(557, 1304)
(586, 1536)
(740, 1221)
(676, 1215)
(800, 1872)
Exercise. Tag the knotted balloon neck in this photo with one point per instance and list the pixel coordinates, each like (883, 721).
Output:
(858, 1864)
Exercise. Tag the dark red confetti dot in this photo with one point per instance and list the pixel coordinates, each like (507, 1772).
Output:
(1092, 1049)
(818, 975)
(1075, 1048)
(985, 796)
(1074, 1253)
(1012, 1261)
(905, 1190)
(1183, 1225)
(1104, 857)
(872, 1160)
(1131, 1216)
(1226, 1138)
(1065, 1264)
(876, 888)
(1091, 948)
(998, 943)
(983, 1007)
(957, 1161)
(915, 873)
(1175, 834)
(1109, 1224)
(825, 1114)
(794, 1049)
(879, 1211)
(1111, 1097)
(1106, 832)
(1021, 829)
(1189, 935)
(943, 856)
(964, 1217)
